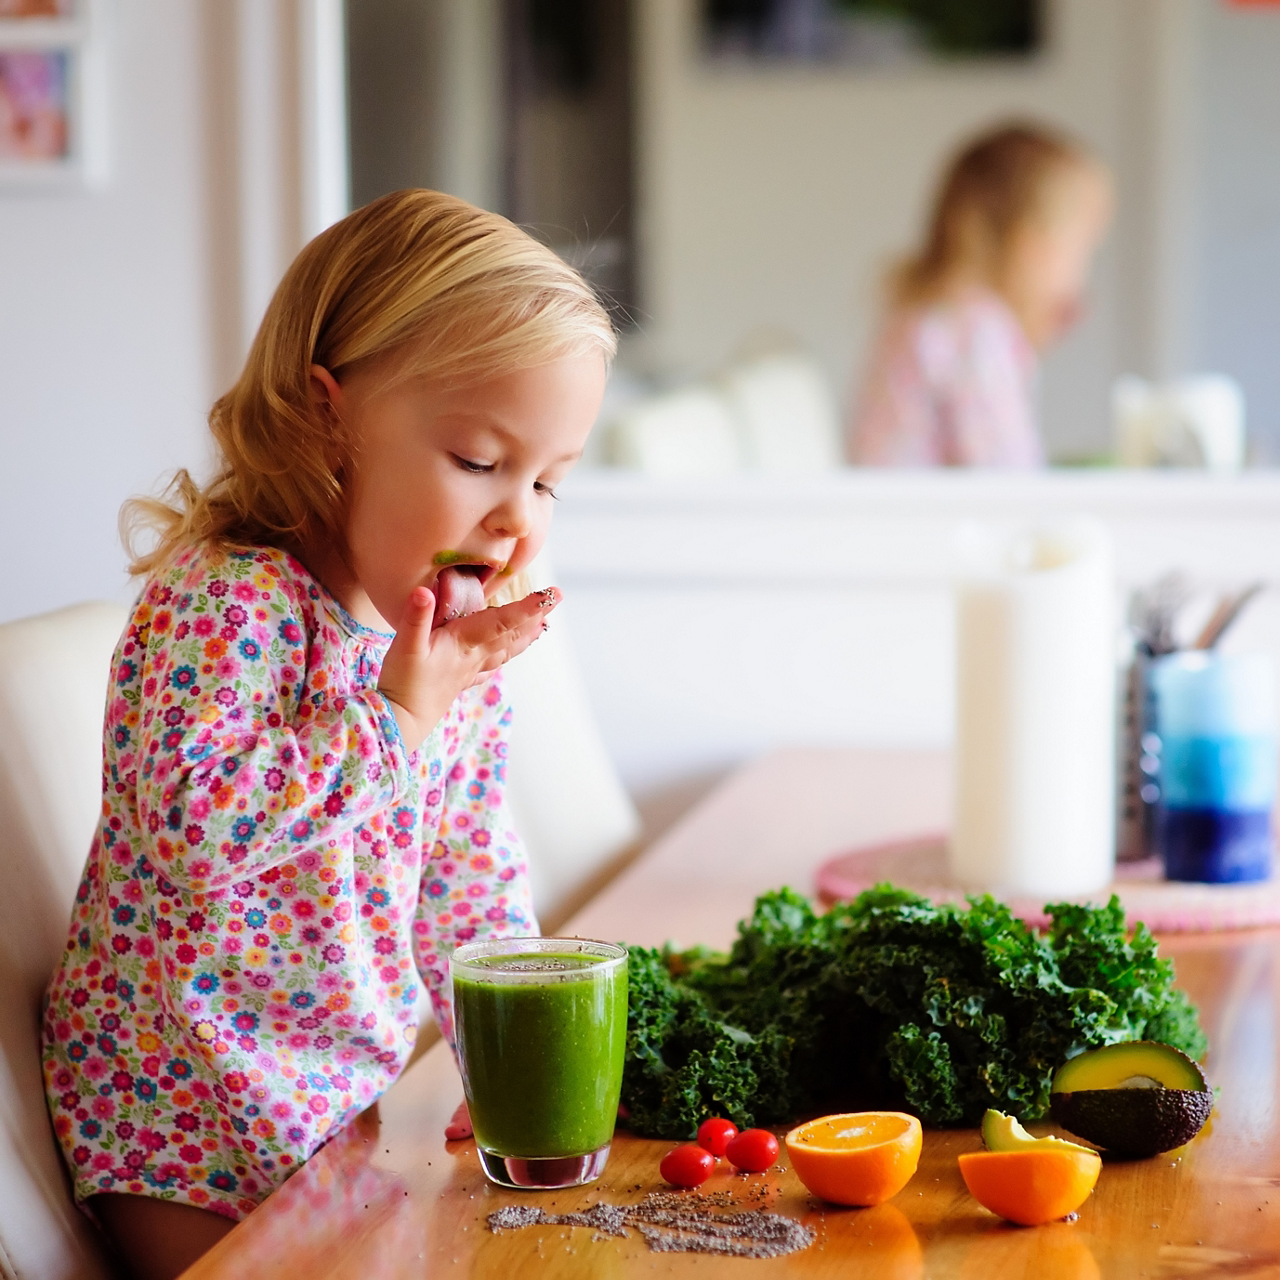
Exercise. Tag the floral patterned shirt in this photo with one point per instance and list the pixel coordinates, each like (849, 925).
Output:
(271, 874)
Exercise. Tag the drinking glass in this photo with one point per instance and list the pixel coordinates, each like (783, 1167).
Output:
(541, 1026)
(1217, 770)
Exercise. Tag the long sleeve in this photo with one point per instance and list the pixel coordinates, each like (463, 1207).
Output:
(949, 385)
(240, 751)
(475, 881)
(985, 406)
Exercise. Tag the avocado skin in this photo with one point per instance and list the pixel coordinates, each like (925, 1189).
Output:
(1135, 1122)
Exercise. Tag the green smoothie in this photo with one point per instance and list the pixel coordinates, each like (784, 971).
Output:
(540, 1037)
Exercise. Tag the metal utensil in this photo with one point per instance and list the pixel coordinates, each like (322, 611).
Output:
(1228, 610)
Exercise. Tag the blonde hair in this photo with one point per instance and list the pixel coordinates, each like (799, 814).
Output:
(996, 186)
(421, 281)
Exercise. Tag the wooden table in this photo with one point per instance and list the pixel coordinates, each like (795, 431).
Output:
(390, 1198)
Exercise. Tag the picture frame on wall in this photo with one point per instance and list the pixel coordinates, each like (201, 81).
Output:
(52, 104)
(870, 33)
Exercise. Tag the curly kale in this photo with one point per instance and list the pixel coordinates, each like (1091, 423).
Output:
(888, 1000)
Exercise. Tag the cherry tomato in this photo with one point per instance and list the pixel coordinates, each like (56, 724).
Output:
(688, 1166)
(716, 1135)
(753, 1150)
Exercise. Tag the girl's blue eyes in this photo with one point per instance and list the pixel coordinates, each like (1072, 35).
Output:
(483, 468)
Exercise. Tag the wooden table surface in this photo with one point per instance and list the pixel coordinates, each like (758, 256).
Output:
(389, 1198)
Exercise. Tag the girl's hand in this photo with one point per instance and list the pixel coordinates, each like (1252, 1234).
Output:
(460, 1126)
(425, 670)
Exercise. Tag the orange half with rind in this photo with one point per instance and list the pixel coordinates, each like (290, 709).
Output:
(858, 1157)
(1031, 1187)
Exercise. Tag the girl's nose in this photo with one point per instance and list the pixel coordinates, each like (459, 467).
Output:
(511, 518)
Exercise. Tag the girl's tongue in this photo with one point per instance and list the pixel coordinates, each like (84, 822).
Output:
(458, 592)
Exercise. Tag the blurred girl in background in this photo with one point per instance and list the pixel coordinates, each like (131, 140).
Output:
(1000, 277)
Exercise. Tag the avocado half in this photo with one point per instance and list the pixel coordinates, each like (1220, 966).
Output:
(1137, 1098)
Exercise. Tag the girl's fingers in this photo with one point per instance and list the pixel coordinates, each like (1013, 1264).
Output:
(502, 633)
(413, 635)
(460, 1125)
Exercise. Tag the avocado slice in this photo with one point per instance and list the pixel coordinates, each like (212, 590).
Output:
(1137, 1098)
(1004, 1133)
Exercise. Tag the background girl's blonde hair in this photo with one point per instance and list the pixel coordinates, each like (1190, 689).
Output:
(995, 186)
(419, 282)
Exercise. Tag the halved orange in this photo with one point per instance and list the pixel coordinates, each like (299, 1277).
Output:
(859, 1157)
(1031, 1187)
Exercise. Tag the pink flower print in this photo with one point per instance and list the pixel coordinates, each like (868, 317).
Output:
(299, 1040)
(308, 861)
(103, 1108)
(203, 626)
(244, 592)
(226, 668)
(93, 1067)
(102, 1161)
(283, 1110)
(199, 808)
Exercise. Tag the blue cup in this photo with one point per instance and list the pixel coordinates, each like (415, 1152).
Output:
(1216, 725)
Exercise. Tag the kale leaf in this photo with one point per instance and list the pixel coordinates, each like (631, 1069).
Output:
(887, 1001)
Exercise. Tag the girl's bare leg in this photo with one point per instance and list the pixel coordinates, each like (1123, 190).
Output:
(158, 1239)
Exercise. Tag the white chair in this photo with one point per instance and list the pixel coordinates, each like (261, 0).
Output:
(785, 412)
(566, 797)
(53, 680)
(686, 433)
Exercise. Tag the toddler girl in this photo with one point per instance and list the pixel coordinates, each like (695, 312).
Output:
(951, 380)
(304, 755)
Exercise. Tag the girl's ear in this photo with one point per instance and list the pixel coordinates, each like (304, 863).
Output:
(326, 393)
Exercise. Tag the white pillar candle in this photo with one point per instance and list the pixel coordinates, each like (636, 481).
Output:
(1035, 711)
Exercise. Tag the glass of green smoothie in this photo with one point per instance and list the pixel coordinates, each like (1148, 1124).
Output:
(541, 1026)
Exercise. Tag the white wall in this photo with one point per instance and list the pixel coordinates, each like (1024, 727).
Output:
(105, 326)
(128, 306)
(1237, 166)
(718, 620)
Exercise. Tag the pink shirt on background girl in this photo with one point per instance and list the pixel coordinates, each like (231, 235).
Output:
(952, 384)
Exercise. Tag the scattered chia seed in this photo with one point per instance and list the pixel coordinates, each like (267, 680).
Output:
(671, 1222)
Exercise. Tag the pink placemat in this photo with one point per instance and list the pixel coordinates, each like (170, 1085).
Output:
(1165, 906)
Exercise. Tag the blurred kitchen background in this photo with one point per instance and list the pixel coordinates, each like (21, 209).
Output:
(735, 175)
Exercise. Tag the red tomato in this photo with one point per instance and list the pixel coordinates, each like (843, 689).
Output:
(688, 1166)
(716, 1135)
(753, 1150)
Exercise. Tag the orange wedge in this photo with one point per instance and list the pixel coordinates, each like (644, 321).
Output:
(1031, 1187)
(858, 1158)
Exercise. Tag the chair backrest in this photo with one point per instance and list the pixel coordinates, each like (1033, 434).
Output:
(54, 671)
(786, 414)
(566, 797)
(691, 432)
